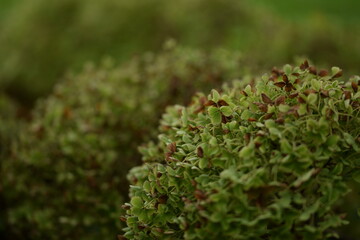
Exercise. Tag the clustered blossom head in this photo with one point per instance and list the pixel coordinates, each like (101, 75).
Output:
(69, 168)
(266, 160)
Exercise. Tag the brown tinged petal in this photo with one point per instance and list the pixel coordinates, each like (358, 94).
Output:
(200, 152)
(293, 95)
(222, 103)
(323, 73)
(280, 84)
(289, 87)
(172, 147)
(285, 78)
(199, 110)
(224, 119)
(312, 70)
(263, 107)
(163, 199)
(203, 100)
(168, 156)
(268, 116)
(141, 227)
(301, 100)
(125, 207)
(210, 103)
(354, 86)
(307, 92)
(258, 144)
(247, 138)
(324, 93)
(305, 65)
(266, 99)
(280, 100)
(280, 121)
(329, 113)
(355, 104)
(347, 94)
(200, 195)
(338, 74)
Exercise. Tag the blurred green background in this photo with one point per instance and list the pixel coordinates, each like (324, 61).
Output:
(43, 40)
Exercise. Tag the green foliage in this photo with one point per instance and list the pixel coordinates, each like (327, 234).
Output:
(267, 160)
(67, 179)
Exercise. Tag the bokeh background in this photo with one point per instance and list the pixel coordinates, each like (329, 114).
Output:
(43, 41)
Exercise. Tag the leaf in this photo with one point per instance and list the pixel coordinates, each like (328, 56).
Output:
(146, 186)
(309, 211)
(247, 90)
(275, 132)
(226, 111)
(351, 141)
(215, 115)
(203, 163)
(215, 95)
(357, 95)
(284, 108)
(332, 140)
(270, 123)
(338, 169)
(302, 109)
(304, 178)
(285, 146)
(229, 174)
(247, 151)
(336, 72)
(184, 117)
(136, 202)
(246, 114)
(315, 84)
(213, 141)
(312, 98)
